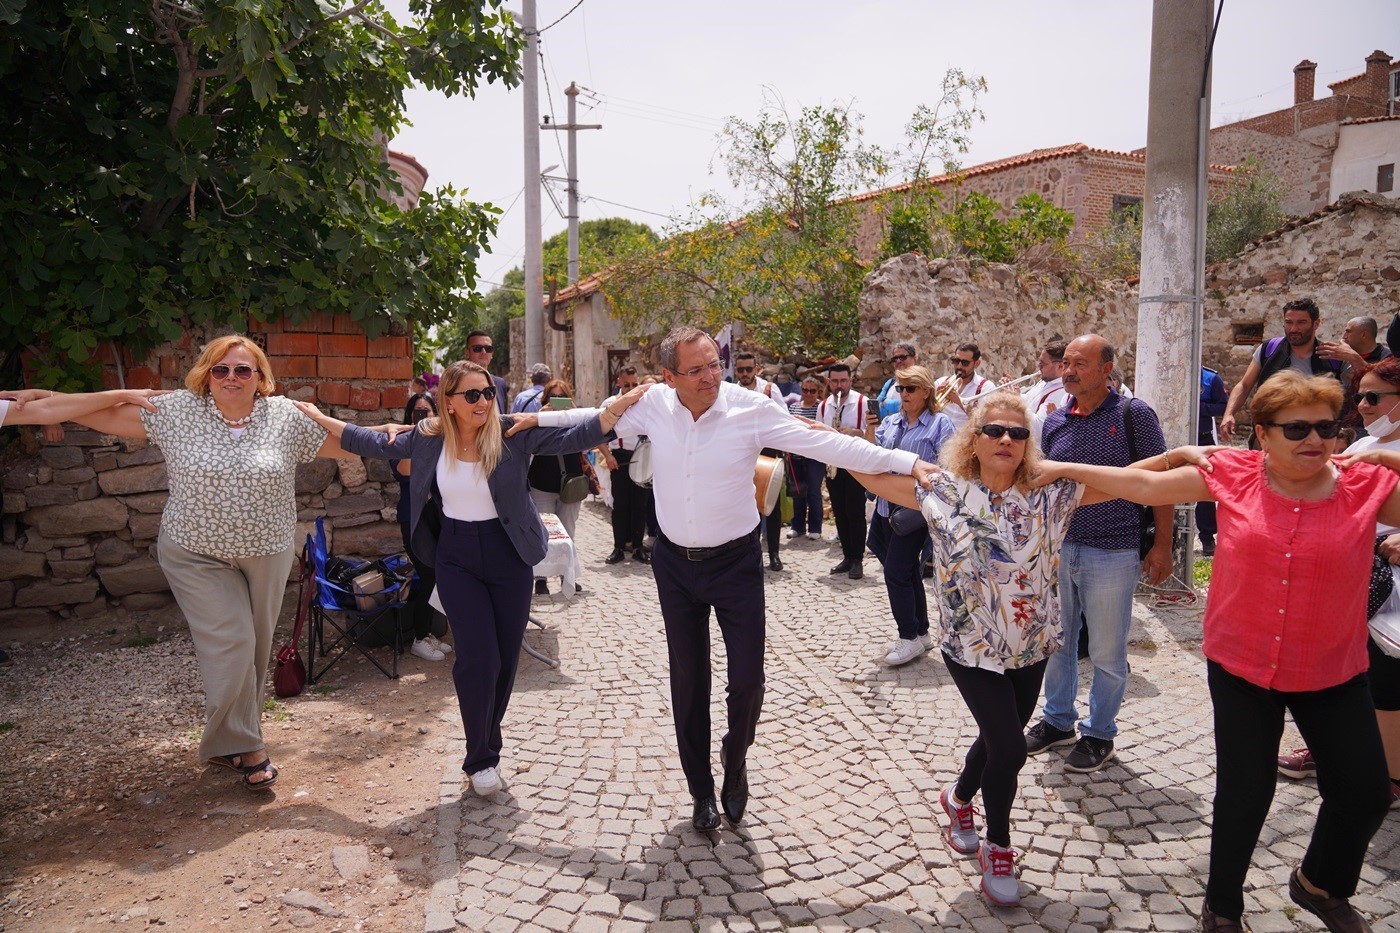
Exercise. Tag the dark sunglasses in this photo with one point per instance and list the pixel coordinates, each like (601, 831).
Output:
(899, 357)
(482, 348)
(1297, 430)
(1371, 398)
(957, 362)
(902, 389)
(242, 371)
(475, 395)
(743, 369)
(995, 432)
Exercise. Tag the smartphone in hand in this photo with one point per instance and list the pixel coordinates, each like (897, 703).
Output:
(561, 402)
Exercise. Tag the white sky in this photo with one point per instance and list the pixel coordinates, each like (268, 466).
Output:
(1060, 71)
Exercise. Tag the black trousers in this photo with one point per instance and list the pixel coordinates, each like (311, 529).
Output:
(629, 505)
(485, 589)
(420, 613)
(1002, 704)
(733, 585)
(1339, 726)
(902, 556)
(848, 509)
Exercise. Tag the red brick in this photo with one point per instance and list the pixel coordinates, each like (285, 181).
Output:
(395, 397)
(344, 324)
(364, 399)
(109, 378)
(388, 346)
(341, 367)
(142, 377)
(287, 367)
(292, 345)
(170, 366)
(384, 368)
(256, 326)
(333, 393)
(317, 323)
(103, 354)
(340, 345)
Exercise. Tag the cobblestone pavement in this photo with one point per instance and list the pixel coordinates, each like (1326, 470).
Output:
(843, 828)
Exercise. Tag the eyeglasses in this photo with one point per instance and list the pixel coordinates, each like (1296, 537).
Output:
(243, 371)
(714, 366)
(1297, 430)
(899, 357)
(810, 390)
(475, 395)
(956, 361)
(902, 389)
(995, 432)
(1370, 398)
(743, 369)
(482, 348)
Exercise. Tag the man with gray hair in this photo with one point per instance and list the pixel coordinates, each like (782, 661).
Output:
(529, 399)
(1358, 347)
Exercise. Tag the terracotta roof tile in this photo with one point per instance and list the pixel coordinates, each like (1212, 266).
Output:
(1355, 120)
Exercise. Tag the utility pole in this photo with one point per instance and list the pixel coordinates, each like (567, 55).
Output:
(534, 260)
(572, 127)
(1171, 290)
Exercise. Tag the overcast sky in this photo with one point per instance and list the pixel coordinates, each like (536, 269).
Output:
(668, 74)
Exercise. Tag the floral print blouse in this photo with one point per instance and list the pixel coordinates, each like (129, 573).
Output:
(231, 495)
(997, 562)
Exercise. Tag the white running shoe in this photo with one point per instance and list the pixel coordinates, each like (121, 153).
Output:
(793, 533)
(422, 648)
(999, 874)
(437, 643)
(926, 638)
(486, 782)
(962, 828)
(903, 651)
(814, 535)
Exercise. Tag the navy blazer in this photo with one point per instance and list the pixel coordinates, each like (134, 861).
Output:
(510, 489)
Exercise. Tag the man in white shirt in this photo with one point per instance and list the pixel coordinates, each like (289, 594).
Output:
(1049, 393)
(844, 410)
(706, 435)
(966, 360)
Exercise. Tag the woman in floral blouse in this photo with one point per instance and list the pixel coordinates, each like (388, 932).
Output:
(996, 544)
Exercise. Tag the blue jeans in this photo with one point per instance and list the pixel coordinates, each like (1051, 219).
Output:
(1100, 584)
(807, 507)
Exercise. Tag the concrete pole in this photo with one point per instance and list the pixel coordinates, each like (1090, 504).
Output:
(534, 246)
(1171, 289)
(572, 93)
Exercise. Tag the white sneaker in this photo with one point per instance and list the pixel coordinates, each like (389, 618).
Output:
(422, 648)
(903, 651)
(486, 782)
(962, 827)
(926, 638)
(793, 533)
(999, 874)
(814, 535)
(442, 646)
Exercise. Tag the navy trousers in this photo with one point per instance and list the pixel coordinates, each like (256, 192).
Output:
(903, 559)
(848, 509)
(733, 585)
(485, 589)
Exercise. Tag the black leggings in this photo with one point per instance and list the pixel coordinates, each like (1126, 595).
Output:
(419, 611)
(1002, 704)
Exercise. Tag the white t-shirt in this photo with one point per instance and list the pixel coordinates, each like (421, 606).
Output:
(465, 495)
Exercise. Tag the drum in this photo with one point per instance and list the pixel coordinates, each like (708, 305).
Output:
(640, 467)
(767, 483)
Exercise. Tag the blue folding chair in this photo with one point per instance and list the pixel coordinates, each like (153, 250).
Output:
(336, 625)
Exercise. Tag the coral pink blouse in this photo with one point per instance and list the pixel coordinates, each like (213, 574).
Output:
(1287, 602)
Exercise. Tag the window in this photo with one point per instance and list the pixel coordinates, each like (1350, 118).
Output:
(1385, 177)
(1125, 206)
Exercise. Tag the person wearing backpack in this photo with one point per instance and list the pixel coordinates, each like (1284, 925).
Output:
(1298, 349)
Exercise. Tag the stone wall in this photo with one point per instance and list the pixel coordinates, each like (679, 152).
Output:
(80, 517)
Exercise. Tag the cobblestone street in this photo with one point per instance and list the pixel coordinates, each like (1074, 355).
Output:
(843, 828)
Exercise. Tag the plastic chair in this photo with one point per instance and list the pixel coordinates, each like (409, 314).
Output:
(336, 624)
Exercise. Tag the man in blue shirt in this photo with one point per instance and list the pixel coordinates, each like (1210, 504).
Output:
(1100, 560)
(529, 399)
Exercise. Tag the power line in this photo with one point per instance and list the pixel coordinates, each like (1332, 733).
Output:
(641, 104)
(594, 197)
(549, 94)
(560, 19)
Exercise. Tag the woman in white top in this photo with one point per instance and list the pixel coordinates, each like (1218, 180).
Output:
(473, 521)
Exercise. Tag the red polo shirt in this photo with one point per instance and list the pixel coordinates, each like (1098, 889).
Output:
(1287, 602)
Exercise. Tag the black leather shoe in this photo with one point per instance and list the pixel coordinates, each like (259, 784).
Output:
(641, 556)
(616, 557)
(541, 588)
(1212, 923)
(705, 817)
(856, 572)
(774, 564)
(1334, 912)
(734, 794)
(843, 567)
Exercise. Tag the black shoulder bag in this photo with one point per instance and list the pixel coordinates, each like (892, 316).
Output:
(1147, 527)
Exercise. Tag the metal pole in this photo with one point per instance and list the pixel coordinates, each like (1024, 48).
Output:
(572, 93)
(534, 259)
(1171, 296)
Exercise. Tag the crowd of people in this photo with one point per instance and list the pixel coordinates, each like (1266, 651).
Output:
(1033, 508)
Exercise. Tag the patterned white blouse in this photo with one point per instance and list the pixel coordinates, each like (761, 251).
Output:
(997, 560)
(231, 496)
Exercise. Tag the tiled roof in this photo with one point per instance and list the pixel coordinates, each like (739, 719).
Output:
(583, 287)
(1347, 202)
(407, 159)
(1356, 120)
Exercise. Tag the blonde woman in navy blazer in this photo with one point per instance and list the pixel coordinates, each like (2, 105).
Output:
(472, 519)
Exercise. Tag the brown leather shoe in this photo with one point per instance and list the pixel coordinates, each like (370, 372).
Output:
(1335, 912)
(1213, 923)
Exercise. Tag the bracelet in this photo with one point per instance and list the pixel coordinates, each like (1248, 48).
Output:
(1167, 459)
(616, 416)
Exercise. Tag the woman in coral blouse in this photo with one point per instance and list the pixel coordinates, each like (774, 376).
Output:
(1285, 630)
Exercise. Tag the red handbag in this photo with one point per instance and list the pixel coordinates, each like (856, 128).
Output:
(289, 676)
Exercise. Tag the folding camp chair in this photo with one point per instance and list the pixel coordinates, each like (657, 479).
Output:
(337, 624)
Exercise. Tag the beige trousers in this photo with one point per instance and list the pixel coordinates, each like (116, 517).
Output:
(231, 606)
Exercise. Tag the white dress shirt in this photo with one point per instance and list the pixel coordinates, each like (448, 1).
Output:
(851, 407)
(620, 443)
(702, 469)
(1042, 395)
(977, 385)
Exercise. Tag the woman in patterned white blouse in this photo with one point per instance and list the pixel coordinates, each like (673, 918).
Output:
(996, 544)
(231, 450)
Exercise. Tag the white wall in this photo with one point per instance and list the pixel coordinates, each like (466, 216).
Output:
(1361, 147)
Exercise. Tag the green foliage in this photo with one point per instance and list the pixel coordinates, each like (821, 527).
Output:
(1250, 206)
(1115, 249)
(174, 164)
(977, 228)
(909, 229)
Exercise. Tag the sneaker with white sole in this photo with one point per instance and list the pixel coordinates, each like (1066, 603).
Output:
(962, 828)
(903, 651)
(439, 644)
(927, 639)
(422, 648)
(486, 782)
(999, 874)
(814, 535)
(793, 533)
(1297, 764)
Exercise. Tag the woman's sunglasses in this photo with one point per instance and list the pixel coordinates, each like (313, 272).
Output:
(1371, 398)
(243, 371)
(995, 432)
(1297, 430)
(475, 395)
(901, 389)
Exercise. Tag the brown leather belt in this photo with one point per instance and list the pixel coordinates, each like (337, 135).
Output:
(709, 553)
